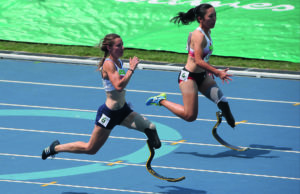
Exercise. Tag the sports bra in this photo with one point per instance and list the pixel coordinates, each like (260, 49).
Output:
(207, 51)
(106, 82)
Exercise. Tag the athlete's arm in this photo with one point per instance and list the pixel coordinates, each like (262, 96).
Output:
(113, 74)
(200, 43)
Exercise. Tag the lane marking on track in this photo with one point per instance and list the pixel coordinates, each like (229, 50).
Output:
(163, 167)
(77, 186)
(243, 121)
(146, 115)
(177, 142)
(139, 91)
(113, 163)
(142, 139)
(47, 184)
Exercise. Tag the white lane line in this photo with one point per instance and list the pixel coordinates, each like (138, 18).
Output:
(51, 84)
(140, 91)
(76, 186)
(45, 107)
(146, 115)
(140, 139)
(164, 167)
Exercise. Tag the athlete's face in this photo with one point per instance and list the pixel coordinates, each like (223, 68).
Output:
(210, 18)
(117, 49)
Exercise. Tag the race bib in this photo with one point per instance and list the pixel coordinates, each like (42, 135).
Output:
(184, 75)
(104, 120)
(122, 72)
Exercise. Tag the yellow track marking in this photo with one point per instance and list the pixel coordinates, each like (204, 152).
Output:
(243, 121)
(296, 104)
(51, 183)
(113, 163)
(175, 143)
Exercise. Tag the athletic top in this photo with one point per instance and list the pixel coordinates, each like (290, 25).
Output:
(106, 82)
(207, 51)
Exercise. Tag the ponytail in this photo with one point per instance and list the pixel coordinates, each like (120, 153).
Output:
(100, 64)
(105, 43)
(184, 18)
(191, 15)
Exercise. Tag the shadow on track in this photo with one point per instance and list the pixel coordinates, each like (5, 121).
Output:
(180, 190)
(255, 151)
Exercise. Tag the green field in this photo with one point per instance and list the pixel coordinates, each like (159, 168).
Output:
(155, 56)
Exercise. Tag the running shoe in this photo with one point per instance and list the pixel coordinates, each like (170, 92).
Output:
(49, 151)
(154, 100)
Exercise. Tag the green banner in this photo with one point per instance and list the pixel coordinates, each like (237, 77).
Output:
(260, 29)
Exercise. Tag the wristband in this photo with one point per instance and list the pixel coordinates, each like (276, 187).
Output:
(131, 70)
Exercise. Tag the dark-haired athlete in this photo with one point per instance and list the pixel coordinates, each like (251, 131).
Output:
(197, 75)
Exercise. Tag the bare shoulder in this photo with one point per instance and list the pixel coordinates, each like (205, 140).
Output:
(108, 66)
(197, 36)
(198, 40)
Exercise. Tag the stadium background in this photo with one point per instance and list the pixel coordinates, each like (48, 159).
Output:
(257, 29)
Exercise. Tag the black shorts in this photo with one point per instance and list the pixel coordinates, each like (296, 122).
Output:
(108, 119)
(184, 75)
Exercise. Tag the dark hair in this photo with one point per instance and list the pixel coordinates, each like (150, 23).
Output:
(107, 41)
(191, 15)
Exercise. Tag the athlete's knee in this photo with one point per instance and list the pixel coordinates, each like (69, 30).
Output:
(190, 117)
(91, 150)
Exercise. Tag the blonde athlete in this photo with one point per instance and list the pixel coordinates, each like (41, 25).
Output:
(197, 75)
(115, 110)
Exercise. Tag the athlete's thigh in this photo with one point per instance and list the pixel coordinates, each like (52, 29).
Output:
(99, 137)
(189, 91)
(207, 83)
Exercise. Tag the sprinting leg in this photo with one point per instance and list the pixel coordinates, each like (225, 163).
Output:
(210, 89)
(189, 110)
(98, 138)
(142, 124)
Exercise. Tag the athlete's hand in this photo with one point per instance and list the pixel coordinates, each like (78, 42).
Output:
(133, 62)
(224, 76)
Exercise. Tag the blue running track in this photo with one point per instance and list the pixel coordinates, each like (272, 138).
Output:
(41, 102)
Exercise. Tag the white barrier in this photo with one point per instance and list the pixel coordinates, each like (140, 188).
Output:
(142, 65)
